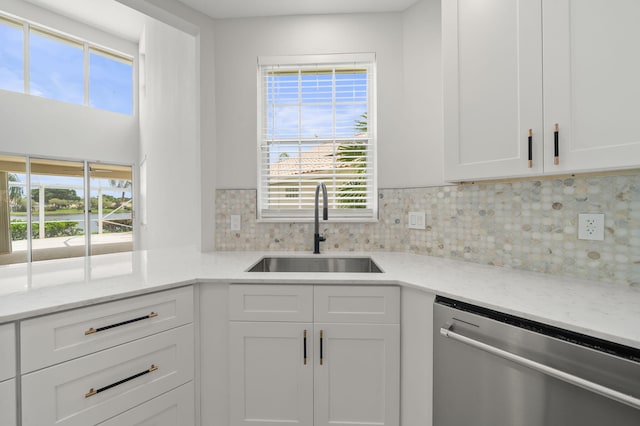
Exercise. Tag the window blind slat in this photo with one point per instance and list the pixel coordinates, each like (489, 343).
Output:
(315, 122)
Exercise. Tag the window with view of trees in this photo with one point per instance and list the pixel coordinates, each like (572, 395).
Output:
(317, 122)
(60, 67)
(52, 213)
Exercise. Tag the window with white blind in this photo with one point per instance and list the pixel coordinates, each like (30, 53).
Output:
(317, 124)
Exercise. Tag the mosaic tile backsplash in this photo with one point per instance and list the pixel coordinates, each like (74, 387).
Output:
(529, 225)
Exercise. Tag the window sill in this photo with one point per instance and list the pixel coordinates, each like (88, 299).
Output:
(312, 220)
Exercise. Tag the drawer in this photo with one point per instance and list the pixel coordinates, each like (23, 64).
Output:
(96, 387)
(175, 408)
(8, 403)
(7, 351)
(354, 304)
(271, 303)
(56, 338)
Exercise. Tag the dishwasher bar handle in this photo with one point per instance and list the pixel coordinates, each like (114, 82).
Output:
(545, 369)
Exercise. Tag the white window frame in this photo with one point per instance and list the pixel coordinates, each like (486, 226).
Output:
(87, 49)
(369, 214)
(87, 188)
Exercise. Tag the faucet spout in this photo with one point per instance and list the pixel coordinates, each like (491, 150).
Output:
(325, 215)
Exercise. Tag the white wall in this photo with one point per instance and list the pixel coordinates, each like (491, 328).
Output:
(169, 139)
(37, 126)
(238, 43)
(201, 27)
(407, 46)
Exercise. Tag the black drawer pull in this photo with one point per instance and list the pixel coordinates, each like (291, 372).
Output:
(93, 391)
(530, 143)
(321, 348)
(305, 347)
(556, 145)
(107, 327)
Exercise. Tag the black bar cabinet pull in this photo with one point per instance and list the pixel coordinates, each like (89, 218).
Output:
(556, 145)
(530, 143)
(119, 324)
(321, 349)
(93, 391)
(305, 347)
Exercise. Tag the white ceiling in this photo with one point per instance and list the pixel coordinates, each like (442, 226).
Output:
(115, 18)
(253, 8)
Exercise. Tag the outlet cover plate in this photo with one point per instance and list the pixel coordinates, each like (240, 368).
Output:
(591, 226)
(235, 222)
(417, 220)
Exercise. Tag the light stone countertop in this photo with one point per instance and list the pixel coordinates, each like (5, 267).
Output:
(598, 309)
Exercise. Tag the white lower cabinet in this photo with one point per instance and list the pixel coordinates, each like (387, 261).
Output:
(7, 374)
(7, 351)
(126, 362)
(8, 403)
(270, 382)
(175, 408)
(96, 387)
(359, 377)
(329, 373)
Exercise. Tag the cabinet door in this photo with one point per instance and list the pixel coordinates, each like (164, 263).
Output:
(492, 81)
(356, 304)
(55, 338)
(592, 84)
(7, 351)
(270, 382)
(96, 387)
(8, 403)
(358, 381)
(175, 408)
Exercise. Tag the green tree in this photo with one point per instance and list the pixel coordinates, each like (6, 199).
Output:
(121, 184)
(353, 193)
(15, 192)
(362, 124)
(59, 193)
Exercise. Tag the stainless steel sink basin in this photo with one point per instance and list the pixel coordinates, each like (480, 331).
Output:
(315, 264)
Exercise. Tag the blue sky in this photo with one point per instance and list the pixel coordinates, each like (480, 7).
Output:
(304, 108)
(57, 72)
(307, 112)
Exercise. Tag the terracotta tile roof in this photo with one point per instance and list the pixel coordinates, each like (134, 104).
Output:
(318, 158)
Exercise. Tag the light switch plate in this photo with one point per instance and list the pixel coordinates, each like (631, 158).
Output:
(235, 222)
(417, 220)
(591, 226)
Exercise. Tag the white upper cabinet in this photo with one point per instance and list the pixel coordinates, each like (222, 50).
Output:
(495, 55)
(592, 84)
(492, 71)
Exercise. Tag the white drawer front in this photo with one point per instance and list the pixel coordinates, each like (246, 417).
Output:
(8, 403)
(271, 303)
(175, 408)
(7, 351)
(60, 337)
(353, 304)
(60, 394)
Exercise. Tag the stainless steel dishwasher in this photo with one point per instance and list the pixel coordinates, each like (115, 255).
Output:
(493, 369)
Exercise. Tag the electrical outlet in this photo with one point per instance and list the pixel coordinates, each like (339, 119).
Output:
(591, 226)
(417, 220)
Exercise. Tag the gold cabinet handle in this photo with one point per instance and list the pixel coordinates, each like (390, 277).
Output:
(93, 391)
(119, 324)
